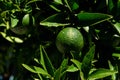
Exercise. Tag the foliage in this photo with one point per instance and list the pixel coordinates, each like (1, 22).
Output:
(28, 31)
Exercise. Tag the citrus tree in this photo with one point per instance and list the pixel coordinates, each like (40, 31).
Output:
(60, 39)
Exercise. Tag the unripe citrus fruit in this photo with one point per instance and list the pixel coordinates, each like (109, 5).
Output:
(69, 39)
(28, 20)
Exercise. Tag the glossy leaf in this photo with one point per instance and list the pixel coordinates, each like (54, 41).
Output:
(58, 1)
(72, 68)
(117, 27)
(35, 69)
(14, 22)
(29, 68)
(77, 63)
(12, 38)
(101, 73)
(41, 71)
(55, 20)
(87, 61)
(112, 68)
(89, 19)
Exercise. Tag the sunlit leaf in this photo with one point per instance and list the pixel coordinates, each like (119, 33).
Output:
(36, 69)
(58, 1)
(12, 38)
(77, 63)
(29, 68)
(55, 20)
(14, 22)
(117, 27)
(41, 71)
(101, 73)
(112, 68)
(72, 68)
(116, 55)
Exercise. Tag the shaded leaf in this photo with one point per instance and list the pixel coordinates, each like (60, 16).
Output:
(20, 30)
(87, 61)
(101, 73)
(45, 61)
(118, 7)
(57, 74)
(72, 4)
(110, 5)
(60, 72)
(87, 19)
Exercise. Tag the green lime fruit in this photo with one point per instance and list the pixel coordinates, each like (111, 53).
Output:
(69, 39)
(28, 20)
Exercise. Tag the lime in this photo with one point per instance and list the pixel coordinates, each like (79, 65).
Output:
(69, 39)
(28, 20)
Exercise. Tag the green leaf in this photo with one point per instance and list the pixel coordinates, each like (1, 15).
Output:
(87, 61)
(112, 68)
(11, 38)
(72, 4)
(42, 62)
(77, 63)
(64, 63)
(57, 74)
(14, 22)
(36, 69)
(45, 61)
(101, 73)
(58, 1)
(110, 5)
(60, 72)
(116, 55)
(89, 19)
(29, 68)
(55, 20)
(117, 27)
(41, 71)
(72, 68)
(118, 8)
